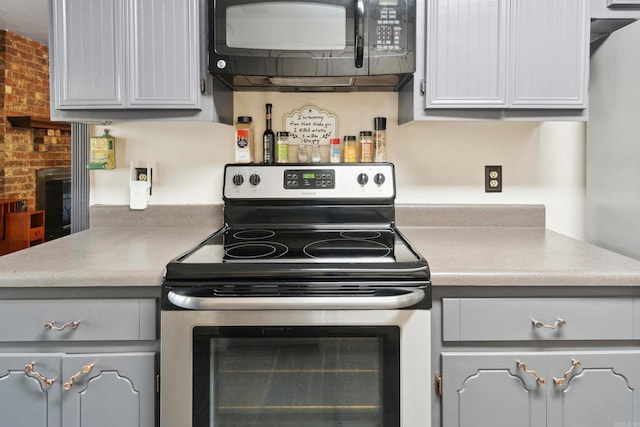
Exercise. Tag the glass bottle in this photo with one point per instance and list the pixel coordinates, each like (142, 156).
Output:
(244, 140)
(366, 145)
(379, 139)
(268, 140)
(334, 151)
(316, 157)
(282, 144)
(303, 153)
(350, 150)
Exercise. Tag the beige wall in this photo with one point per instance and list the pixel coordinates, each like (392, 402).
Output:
(436, 162)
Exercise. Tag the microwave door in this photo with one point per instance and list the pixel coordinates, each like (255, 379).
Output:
(288, 38)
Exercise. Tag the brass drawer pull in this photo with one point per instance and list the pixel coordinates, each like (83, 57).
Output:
(28, 370)
(523, 367)
(51, 326)
(85, 370)
(559, 323)
(560, 381)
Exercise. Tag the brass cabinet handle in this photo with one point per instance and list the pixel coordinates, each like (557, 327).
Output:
(437, 384)
(28, 370)
(559, 323)
(560, 381)
(51, 326)
(523, 367)
(85, 370)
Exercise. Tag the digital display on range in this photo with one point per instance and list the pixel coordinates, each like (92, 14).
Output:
(301, 179)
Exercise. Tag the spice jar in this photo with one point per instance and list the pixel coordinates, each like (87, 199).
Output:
(366, 145)
(282, 147)
(350, 149)
(244, 140)
(379, 139)
(334, 150)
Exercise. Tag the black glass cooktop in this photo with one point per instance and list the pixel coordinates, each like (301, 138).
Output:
(250, 253)
(302, 246)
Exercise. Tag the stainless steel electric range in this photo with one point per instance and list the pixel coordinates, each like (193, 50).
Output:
(308, 307)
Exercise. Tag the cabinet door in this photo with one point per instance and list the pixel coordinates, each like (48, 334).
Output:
(489, 390)
(549, 53)
(106, 390)
(88, 54)
(164, 64)
(25, 400)
(604, 390)
(466, 53)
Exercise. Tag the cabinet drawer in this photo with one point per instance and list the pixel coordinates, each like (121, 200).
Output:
(532, 319)
(98, 320)
(36, 234)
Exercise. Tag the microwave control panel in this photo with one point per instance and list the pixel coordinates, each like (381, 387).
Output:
(389, 19)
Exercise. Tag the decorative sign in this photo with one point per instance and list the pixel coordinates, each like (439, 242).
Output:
(310, 125)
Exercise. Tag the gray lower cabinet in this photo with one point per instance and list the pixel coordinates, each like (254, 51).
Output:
(88, 390)
(531, 389)
(78, 363)
(567, 361)
(25, 400)
(105, 390)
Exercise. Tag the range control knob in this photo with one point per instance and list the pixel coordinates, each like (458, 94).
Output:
(254, 179)
(363, 178)
(379, 178)
(238, 179)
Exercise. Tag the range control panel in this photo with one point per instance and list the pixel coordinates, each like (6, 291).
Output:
(293, 181)
(309, 178)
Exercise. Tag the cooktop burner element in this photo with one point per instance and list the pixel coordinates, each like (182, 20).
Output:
(339, 249)
(281, 239)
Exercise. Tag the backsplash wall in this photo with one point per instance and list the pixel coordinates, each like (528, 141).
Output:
(436, 162)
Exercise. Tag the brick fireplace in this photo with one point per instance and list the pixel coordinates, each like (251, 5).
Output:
(24, 91)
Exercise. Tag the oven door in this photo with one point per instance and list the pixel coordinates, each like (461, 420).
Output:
(286, 368)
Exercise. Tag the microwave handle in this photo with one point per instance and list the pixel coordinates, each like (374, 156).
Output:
(359, 32)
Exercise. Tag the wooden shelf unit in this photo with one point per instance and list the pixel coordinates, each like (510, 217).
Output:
(25, 226)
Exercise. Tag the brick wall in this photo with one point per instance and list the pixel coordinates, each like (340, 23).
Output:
(24, 91)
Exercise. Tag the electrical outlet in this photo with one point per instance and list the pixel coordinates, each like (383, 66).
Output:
(492, 179)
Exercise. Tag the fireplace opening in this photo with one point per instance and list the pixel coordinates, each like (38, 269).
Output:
(53, 195)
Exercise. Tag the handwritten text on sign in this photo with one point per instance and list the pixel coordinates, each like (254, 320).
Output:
(310, 125)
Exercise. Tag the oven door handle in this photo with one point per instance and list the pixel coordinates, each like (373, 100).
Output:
(404, 299)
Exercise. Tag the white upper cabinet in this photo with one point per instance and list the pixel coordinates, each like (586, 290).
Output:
(132, 60)
(549, 54)
(466, 53)
(88, 54)
(507, 54)
(163, 51)
(126, 54)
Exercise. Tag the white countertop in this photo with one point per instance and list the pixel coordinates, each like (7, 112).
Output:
(457, 256)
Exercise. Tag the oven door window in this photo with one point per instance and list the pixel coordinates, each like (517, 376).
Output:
(296, 376)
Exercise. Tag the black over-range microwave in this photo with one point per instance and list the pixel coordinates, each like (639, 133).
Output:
(293, 45)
